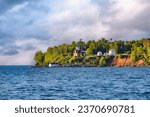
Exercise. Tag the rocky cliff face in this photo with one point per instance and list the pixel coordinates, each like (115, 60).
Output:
(121, 62)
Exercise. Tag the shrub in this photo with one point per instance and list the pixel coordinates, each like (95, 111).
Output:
(102, 61)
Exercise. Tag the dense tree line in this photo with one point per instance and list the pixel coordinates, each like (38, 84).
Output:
(63, 54)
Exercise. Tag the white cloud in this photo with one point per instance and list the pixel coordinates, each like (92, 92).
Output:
(127, 9)
(128, 19)
(78, 19)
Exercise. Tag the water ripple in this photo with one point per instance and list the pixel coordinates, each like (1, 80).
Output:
(101, 83)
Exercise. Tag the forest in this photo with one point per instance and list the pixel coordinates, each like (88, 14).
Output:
(64, 54)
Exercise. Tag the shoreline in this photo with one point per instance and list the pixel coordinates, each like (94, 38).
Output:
(111, 62)
(87, 66)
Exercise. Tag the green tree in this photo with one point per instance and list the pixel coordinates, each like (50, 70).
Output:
(137, 53)
(147, 56)
(81, 44)
(102, 61)
(128, 46)
(72, 60)
(39, 58)
(89, 51)
(119, 46)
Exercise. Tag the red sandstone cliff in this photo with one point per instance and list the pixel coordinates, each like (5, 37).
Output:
(121, 62)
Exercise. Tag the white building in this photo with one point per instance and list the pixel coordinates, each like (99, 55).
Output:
(112, 52)
(99, 53)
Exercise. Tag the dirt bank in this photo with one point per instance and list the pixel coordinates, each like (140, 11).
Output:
(126, 61)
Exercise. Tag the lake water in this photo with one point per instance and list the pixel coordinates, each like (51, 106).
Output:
(93, 83)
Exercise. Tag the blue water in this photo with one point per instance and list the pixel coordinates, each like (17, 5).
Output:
(98, 83)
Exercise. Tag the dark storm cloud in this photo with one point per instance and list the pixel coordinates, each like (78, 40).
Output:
(8, 49)
(29, 47)
(10, 52)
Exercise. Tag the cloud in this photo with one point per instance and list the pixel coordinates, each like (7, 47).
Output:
(9, 52)
(8, 48)
(23, 58)
(28, 25)
(23, 52)
(76, 20)
(129, 19)
(8, 4)
(32, 44)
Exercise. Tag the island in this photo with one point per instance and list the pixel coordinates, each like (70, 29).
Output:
(95, 53)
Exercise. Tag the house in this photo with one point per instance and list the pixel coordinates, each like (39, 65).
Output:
(83, 53)
(79, 52)
(99, 53)
(112, 52)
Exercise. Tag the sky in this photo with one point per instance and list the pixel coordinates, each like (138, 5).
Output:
(30, 25)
